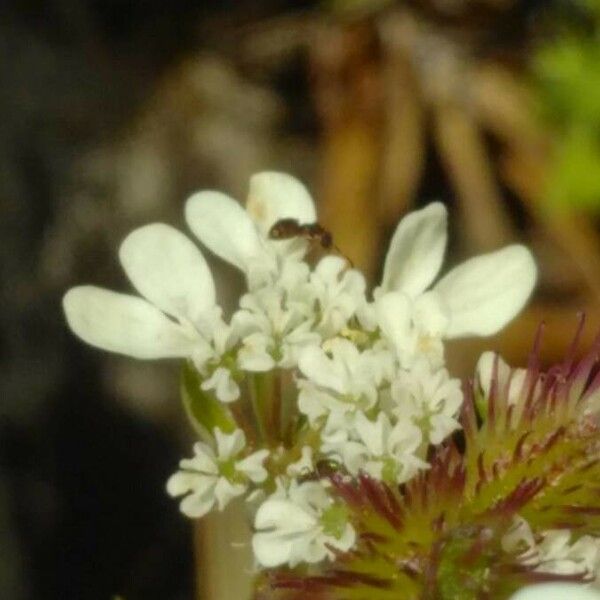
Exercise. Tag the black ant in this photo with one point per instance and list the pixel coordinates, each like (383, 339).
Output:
(288, 228)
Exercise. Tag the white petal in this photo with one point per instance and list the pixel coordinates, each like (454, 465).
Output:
(203, 461)
(416, 251)
(519, 538)
(182, 482)
(252, 466)
(271, 550)
(320, 369)
(557, 591)
(284, 515)
(484, 293)
(225, 491)
(393, 312)
(313, 402)
(224, 227)
(329, 268)
(311, 549)
(225, 387)
(254, 355)
(202, 498)
(229, 444)
(168, 269)
(373, 433)
(485, 372)
(124, 324)
(197, 505)
(275, 196)
(311, 495)
(430, 314)
(404, 438)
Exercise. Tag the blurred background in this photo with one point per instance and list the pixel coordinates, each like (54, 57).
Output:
(113, 111)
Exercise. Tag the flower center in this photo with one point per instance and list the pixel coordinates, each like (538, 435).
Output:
(389, 470)
(334, 520)
(228, 470)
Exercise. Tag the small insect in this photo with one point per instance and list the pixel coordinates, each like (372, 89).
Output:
(288, 228)
(327, 467)
(324, 468)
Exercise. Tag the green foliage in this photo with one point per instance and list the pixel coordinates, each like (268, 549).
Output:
(204, 411)
(568, 72)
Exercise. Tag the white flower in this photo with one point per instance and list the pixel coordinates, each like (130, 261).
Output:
(553, 552)
(274, 328)
(519, 538)
(379, 449)
(479, 297)
(339, 378)
(556, 591)
(240, 237)
(340, 293)
(211, 478)
(430, 398)
(178, 317)
(558, 555)
(303, 465)
(302, 527)
(224, 386)
(509, 381)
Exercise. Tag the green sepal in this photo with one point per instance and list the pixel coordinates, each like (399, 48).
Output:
(482, 405)
(204, 411)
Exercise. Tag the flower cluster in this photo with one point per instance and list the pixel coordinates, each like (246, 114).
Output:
(312, 374)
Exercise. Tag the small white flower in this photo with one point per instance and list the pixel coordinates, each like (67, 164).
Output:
(340, 293)
(303, 465)
(429, 398)
(211, 478)
(177, 316)
(558, 555)
(519, 538)
(556, 591)
(274, 328)
(224, 386)
(479, 297)
(554, 552)
(379, 449)
(302, 527)
(240, 236)
(339, 378)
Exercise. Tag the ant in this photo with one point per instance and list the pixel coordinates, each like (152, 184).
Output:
(288, 228)
(324, 469)
(285, 229)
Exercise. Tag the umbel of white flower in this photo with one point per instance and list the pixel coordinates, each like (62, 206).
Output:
(300, 525)
(331, 374)
(211, 477)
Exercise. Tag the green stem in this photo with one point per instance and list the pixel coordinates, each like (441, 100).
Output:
(258, 397)
(276, 404)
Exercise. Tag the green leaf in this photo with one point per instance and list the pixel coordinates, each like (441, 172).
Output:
(204, 411)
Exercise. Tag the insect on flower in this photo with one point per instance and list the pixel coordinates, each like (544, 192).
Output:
(326, 467)
(288, 228)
